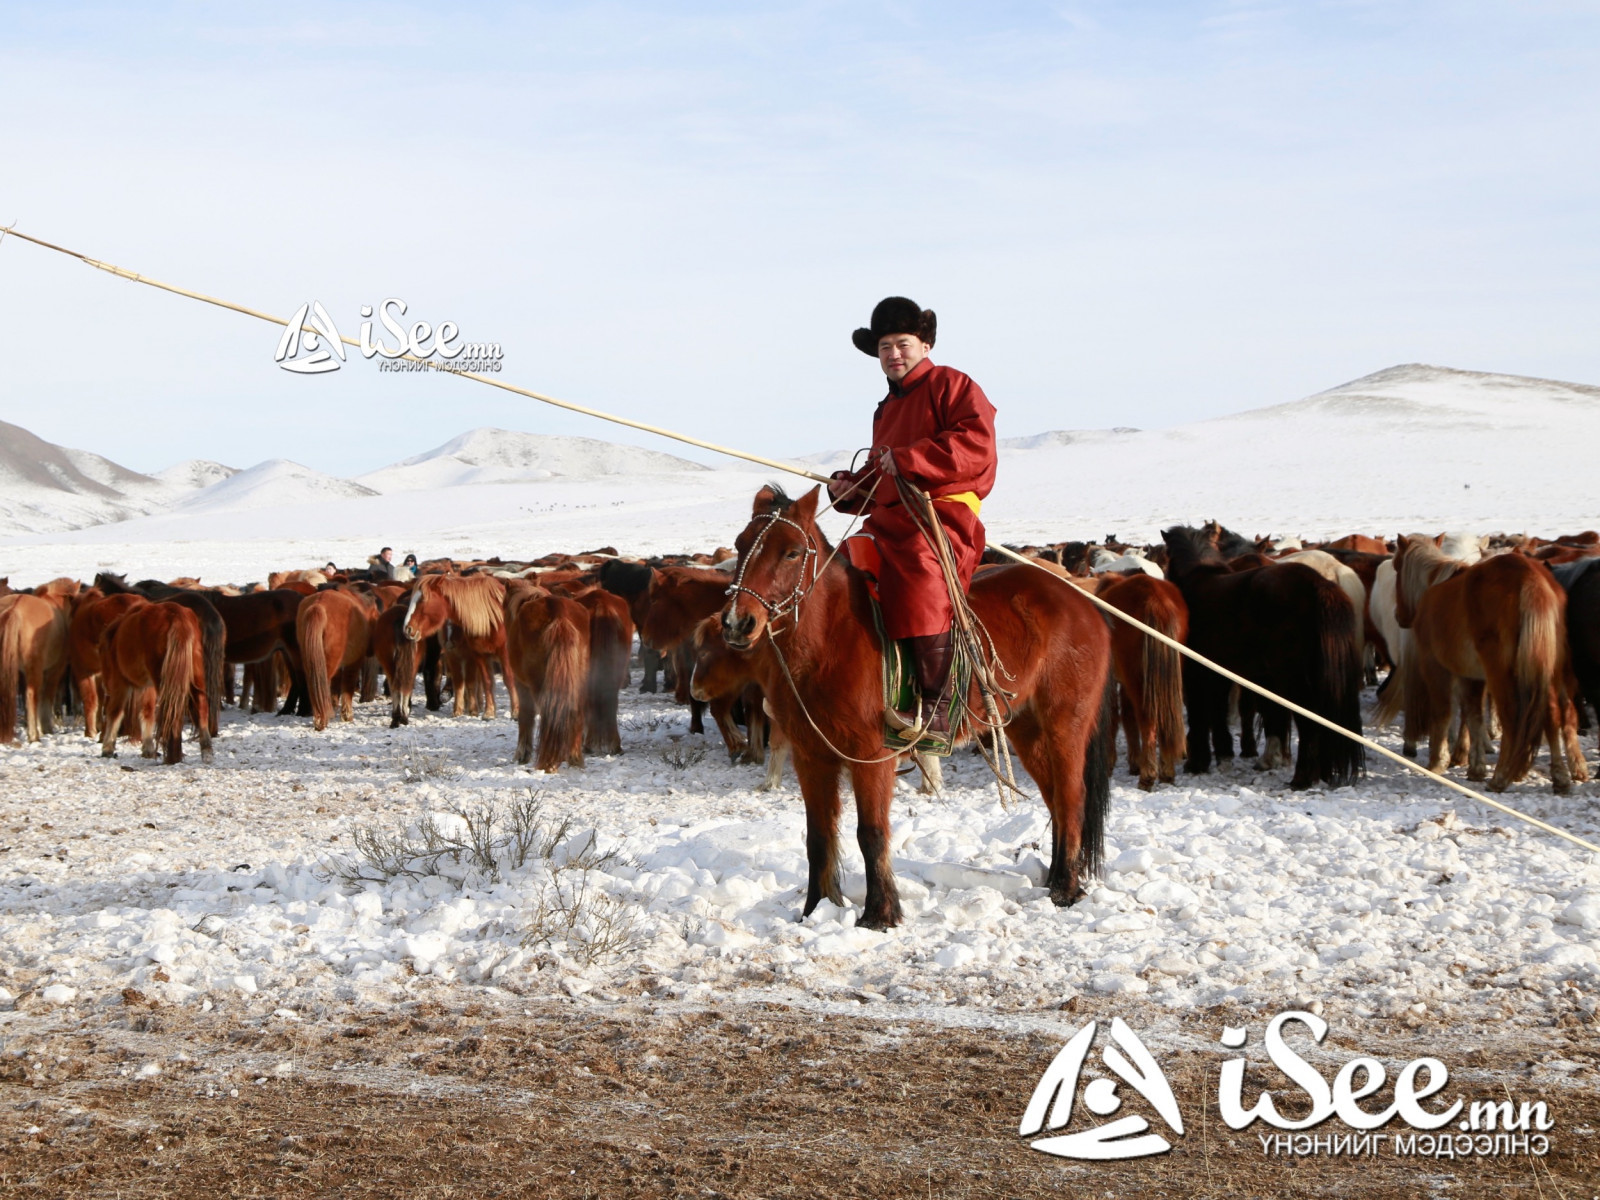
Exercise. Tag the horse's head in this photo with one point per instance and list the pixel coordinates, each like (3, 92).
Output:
(111, 584)
(427, 609)
(778, 562)
(1189, 548)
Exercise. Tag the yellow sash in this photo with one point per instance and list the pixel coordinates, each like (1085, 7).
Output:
(970, 499)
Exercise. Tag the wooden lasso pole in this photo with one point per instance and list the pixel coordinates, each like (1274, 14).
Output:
(791, 469)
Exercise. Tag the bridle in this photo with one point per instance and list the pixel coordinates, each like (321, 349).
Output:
(789, 604)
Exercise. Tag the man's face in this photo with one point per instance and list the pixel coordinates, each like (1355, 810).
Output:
(388, 556)
(899, 353)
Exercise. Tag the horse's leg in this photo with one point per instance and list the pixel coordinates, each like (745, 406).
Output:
(819, 785)
(650, 663)
(732, 739)
(1198, 697)
(527, 712)
(1571, 710)
(932, 768)
(116, 707)
(1247, 705)
(873, 784)
(89, 691)
(777, 755)
(147, 723)
(1050, 761)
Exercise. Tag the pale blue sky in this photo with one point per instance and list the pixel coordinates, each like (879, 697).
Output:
(1125, 214)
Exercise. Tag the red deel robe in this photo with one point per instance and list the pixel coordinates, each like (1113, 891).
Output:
(940, 427)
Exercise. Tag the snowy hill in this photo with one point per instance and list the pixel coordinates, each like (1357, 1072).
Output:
(195, 473)
(45, 488)
(1411, 447)
(500, 456)
(276, 483)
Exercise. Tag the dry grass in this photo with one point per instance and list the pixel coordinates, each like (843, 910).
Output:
(577, 1100)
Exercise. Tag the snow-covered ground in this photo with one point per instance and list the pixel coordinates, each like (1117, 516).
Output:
(202, 883)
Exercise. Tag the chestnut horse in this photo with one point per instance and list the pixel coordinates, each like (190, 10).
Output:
(475, 605)
(547, 658)
(33, 648)
(679, 599)
(213, 633)
(725, 681)
(1500, 622)
(334, 629)
(83, 648)
(1151, 674)
(152, 660)
(806, 620)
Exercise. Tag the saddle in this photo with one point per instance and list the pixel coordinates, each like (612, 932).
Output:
(900, 692)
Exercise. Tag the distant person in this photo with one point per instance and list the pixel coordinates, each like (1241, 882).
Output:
(330, 569)
(382, 565)
(408, 568)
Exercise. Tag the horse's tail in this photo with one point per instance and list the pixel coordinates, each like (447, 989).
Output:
(608, 662)
(1336, 692)
(402, 680)
(314, 658)
(1541, 637)
(1098, 761)
(565, 653)
(10, 673)
(1163, 681)
(1392, 695)
(177, 680)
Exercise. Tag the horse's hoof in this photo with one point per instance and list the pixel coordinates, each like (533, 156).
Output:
(1061, 897)
(1147, 785)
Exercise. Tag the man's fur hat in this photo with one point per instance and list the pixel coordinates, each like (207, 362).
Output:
(892, 316)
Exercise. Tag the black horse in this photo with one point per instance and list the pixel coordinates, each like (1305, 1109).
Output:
(1581, 581)
(1284, 627)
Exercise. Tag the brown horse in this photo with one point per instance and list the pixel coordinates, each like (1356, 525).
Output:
(806, 620)
(33, 647)
(679, 599)
(152, 657)
(83, 648)
(547, 648)
(725, 680)
(1500, 622)
(475, 605)
(1151, 674)
(610, 645)
(397, 658)
(334, 629)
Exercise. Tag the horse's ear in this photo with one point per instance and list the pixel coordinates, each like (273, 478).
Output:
(766, 500)
(1401, 541)
(805, 508)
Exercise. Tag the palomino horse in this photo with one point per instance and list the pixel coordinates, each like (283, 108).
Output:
(547, 658)
(33, 647)
(334, 629)
(1501, 621)
(153, 662)
(1282, 626)
(1151, 674)
(806, 620)
(475, 605)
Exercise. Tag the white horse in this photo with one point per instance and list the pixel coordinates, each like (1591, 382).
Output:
(1102, 560)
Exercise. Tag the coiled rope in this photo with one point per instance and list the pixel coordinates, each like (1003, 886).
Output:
(789, 468)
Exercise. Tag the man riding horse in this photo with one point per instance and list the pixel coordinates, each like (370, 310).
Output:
(935, 431)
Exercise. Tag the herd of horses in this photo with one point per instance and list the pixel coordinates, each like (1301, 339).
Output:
(1469, 633)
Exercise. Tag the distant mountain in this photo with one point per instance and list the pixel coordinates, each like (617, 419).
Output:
(196, 473)
(45, 488)
(500, 456)
(275, 483)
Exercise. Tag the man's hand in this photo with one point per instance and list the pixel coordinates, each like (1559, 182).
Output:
(886, 463)
(839, 483)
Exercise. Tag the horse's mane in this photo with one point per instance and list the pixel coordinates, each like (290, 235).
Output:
(1189, 547)
(778, 500)
(477, 602)
(1422, 566)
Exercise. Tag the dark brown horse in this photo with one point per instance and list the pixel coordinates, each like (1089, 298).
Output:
(610, 645)
(806, 620)
(1282, 626)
